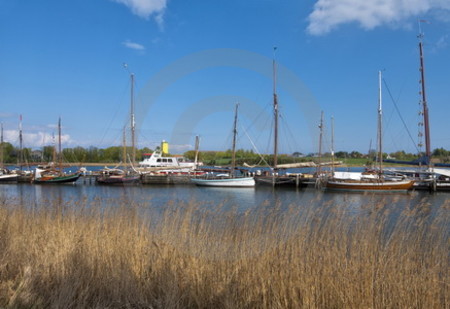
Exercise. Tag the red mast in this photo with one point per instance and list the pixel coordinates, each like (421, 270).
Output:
(426, 122)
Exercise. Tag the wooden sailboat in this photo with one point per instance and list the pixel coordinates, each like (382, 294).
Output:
(24, 176)
(378, 181)
(5, 175)
(274, 177)
(428, 176)
(232, 180)
(117, 176)
(55, 175)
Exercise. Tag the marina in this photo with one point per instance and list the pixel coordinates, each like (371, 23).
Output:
(225, 154)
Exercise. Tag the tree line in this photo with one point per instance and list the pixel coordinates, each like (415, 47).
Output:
(114, 154)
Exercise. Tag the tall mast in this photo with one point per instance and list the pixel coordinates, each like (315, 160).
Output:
(233, 153)
(379, 134)
(275, 110)
(424, 102)
(59, 144)
(1, 146)
(133, 124)
(124, 147)
(197, 144)
(132, 120)
(21, 157)
(332, 143)
(54, 150)
(320, 144)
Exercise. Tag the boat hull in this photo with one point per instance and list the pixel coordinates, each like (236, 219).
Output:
(369, 185)
(57, 179)
(284, 181)
(8, 178)
(117, 180)
(225, 182)
(166, 179)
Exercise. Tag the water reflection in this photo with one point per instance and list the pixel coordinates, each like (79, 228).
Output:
(240, 199)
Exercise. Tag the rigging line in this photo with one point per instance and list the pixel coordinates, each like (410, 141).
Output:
(283, 139)
(256, 149)
(258, 116)
(400, 115)
(259, 133)
(119, 106)
(287, 128)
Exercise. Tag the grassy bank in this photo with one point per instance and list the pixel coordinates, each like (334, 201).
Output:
(80, 256)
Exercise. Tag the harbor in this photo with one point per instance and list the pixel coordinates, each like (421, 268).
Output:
(160, 154)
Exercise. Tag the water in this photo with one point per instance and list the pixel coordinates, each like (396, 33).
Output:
(240, 199)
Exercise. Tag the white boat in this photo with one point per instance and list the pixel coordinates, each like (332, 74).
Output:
(225, 182)
(156, 159)
(6, 177)
(228, 180)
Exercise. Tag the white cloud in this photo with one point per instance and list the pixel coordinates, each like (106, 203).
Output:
(147, 8)
(329, 14)
(37, 139)
(442, 43)
(180, 148)
(133, 45)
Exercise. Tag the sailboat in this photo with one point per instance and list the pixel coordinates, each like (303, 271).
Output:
(427, 176)
(374, 182)
(24, 176)
(274, 177)
(55, 175)
(117, 176)
(5, 175)
(232, 180)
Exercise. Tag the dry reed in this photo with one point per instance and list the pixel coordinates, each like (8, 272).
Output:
(86, 256)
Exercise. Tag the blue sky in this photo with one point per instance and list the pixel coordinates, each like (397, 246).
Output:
(193, 60)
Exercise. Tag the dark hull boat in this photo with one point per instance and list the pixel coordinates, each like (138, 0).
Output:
(55, 178)
(282, 181)
(54, 175)
(116, 176)
(118, 179)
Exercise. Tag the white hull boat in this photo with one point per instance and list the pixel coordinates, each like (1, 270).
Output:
(8, 178)
(225, 182)
(157, 160)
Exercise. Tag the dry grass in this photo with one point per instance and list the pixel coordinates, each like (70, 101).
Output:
(62, 256)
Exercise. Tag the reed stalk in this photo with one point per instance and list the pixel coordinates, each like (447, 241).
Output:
(86, 256)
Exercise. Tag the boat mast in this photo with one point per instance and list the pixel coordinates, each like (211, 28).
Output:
(275, 110)
(133, 124)
(332, 144)
(197, 144)
(54, 150)
(1, 147)
(379, 135)
(233, 153)
(124, 147)
(426, 122)
(320, 144)
(59, 144)
(21, 156)
(132, 120)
